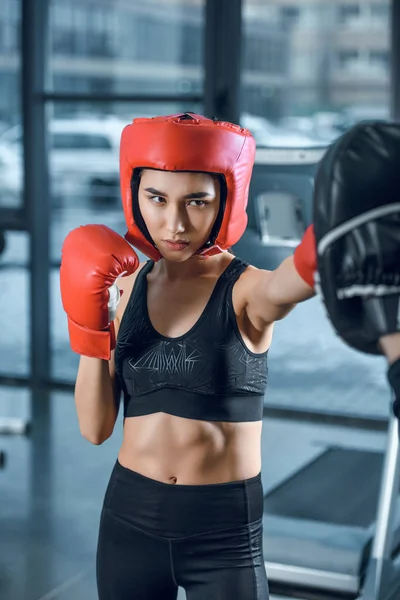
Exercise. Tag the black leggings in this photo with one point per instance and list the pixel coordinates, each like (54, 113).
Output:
(156, 536)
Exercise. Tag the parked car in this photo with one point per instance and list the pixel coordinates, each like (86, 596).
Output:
(353, 114)
(83, 158)
(320, 125)
(268, 135)
(11, 183)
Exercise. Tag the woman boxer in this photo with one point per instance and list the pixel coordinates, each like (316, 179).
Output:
(187, 345)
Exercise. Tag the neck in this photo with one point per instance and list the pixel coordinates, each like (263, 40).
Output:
(189, 269)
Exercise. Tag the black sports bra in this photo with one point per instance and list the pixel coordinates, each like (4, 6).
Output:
(207, 374)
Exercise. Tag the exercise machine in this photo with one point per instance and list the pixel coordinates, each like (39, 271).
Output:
(280, 204)
(332, 530)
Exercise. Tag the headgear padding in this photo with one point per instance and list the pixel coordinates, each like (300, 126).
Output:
(189, 142)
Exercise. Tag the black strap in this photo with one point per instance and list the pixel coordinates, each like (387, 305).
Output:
(393, 375)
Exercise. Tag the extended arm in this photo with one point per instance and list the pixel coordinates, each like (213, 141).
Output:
(275, 293)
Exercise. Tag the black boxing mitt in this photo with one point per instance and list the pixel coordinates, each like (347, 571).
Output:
(357, 231)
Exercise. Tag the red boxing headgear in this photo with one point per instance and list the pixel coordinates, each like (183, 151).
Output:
(189, 142)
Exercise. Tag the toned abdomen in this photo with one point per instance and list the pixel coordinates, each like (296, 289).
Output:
(190, 452)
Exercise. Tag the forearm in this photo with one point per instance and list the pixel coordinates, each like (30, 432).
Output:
(390, 345)
(94, 399)
(286, 288)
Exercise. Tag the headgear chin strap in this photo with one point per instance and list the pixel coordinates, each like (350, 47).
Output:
(188, 142)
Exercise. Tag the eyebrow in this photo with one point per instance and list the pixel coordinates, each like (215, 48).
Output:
(194, 195)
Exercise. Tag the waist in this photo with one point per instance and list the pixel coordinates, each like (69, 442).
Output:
(177, 511)
(191, 405)
(166, 448)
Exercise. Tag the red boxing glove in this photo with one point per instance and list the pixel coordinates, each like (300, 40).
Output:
(93, 257)
(305, 257)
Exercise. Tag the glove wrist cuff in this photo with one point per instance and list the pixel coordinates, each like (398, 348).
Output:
(92, 343)
(305, 257)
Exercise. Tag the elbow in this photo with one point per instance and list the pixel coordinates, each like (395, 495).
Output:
(96, 437)
(96, 428)
(96, 441)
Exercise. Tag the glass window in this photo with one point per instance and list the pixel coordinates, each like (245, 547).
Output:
(349, 12)
(380, 10)
(347, 58)
(14, 303)
(127, 47)
(80, 141)
(314, 80)
(304, 61)
(14, 251)
(379, 59)
(14, 405)
(11, 179)
(290, 15)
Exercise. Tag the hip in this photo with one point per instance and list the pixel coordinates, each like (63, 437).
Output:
(179, 511)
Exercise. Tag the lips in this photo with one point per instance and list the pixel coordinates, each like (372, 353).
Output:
(176, 244)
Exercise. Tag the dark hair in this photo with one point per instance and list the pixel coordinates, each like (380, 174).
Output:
(137, 215)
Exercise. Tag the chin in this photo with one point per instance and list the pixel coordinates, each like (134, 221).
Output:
(176, 257)
(173, 257)
(179, 256)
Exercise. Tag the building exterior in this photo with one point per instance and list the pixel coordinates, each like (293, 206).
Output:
(299, 56)
(121, 46)
(339, 51)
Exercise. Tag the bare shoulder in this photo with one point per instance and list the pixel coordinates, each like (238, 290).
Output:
(255, 330)
(249, 282)
(263, 298)
(125, 285)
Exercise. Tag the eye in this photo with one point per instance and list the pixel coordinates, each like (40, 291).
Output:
(198, 203)
(157, 199)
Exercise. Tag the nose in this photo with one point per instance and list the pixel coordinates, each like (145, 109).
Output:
(175, 220)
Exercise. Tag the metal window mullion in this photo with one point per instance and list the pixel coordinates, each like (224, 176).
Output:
(89, 97)
(222, 59)
(34, 36)
(12, 219)
(395, 60)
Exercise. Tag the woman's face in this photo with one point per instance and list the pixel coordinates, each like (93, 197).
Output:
(179, 210)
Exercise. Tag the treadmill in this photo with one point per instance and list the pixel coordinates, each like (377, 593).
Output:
(332, 529)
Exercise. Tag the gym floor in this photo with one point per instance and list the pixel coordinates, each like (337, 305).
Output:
(52, 487)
